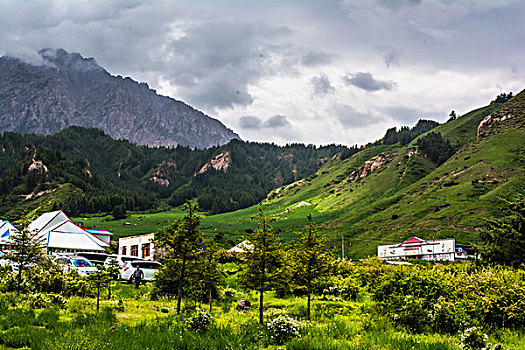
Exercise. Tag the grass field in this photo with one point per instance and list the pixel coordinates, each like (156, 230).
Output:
(232, 225)
(131, 320)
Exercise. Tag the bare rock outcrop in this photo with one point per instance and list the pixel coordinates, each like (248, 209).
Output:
(489, 121)
(370, 166)
(221, 161)
(37, 165)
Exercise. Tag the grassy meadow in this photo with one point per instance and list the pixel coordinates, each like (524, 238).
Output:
(350, 315)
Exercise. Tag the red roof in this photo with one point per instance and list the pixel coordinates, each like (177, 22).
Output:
(413, 240)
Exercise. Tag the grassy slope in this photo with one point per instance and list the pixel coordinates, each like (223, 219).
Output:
(406, 196)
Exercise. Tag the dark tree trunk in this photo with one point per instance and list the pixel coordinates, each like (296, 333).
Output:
(308, 305)
(181, 282)
(261, 295)
(19, 279)
(211, 299)
(98, 296)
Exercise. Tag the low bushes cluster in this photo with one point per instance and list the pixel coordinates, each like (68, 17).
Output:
(451, 299)
(45, 279)
(200, 321)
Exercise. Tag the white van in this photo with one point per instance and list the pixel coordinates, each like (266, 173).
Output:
(148, 268)
(120, 259)
(83, 266)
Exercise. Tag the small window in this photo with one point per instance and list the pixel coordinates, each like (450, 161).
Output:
(145, 250)
(134, 250)
(124, 250)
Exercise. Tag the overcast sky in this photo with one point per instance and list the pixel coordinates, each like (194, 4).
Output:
(282, 71)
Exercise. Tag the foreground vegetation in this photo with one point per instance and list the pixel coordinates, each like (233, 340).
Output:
(366, 305)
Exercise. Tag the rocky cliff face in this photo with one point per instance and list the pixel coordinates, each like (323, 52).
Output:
(65, 89)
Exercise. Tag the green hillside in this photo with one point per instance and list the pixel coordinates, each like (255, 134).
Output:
(409, 195)
(404, 193)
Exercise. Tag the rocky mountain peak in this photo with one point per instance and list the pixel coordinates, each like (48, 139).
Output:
(66, 60)
(61, 89)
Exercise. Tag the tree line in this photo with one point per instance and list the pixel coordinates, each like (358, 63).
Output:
(100, 167)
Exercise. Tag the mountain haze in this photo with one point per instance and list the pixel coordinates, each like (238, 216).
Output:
(62, 89)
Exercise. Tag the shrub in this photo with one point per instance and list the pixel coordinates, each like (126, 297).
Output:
(45, 301)
(200, 321)
(229, 292)
(48, 318)
(283, 328)
(474, 339)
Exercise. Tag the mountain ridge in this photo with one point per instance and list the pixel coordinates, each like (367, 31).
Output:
(65, 89)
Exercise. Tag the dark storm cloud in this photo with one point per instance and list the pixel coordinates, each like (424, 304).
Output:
(350, 118)
(391, 58)
(220, 59)
(250, 122)
(254, 123)
(397, 4)
(366, 81)
(209, 60)
(321, 85)
(315, 58)
(277, 121)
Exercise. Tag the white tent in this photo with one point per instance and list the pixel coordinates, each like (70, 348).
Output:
(47, 221)
(243, 247)
(58, 233)
(6, 230)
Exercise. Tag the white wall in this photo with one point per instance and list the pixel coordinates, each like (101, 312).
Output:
(128, 242)
(443, 249)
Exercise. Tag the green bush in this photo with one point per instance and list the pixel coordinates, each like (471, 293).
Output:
(283, 328)
(474, 338)
(200, 321)
(447, 299)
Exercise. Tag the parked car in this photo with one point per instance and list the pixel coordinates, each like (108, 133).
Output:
(148, 267)
(3, 262)
(121, 259)
(83, 266)
(14, 265)
(95, 258)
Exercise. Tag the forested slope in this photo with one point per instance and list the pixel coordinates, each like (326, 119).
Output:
(223, 178)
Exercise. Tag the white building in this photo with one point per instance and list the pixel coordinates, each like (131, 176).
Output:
(140, 246)
(103, 235)
(6, 231)
(417, 248)
(59, 234)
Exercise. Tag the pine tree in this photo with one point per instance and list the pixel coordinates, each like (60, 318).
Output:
(310, 262)
(182, 241)
(210, 276)
(101, 278)
(504, 238)
(27, 249)
(264, 262)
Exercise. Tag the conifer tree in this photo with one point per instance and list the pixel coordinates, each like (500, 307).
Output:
(211, 276)
(310, 262)
(26, 249)
(264, 262)
(182, 241)
(504, 238)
